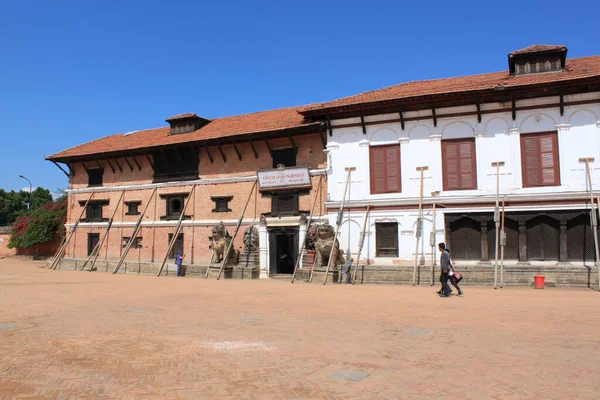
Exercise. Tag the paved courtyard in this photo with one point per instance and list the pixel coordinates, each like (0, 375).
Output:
(70, 335)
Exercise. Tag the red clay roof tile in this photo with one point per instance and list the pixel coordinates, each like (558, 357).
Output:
(258, 122)
(538, 48)
(576, 68)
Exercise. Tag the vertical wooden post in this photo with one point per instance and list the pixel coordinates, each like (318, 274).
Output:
(497, 164)
(337, 228)
(522, 240)
(361, 242)
(308, 221)
(419, 227)
(432, 244)
(502, 244)
(593, 218)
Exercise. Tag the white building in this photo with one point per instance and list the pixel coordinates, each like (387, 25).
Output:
(539, 119)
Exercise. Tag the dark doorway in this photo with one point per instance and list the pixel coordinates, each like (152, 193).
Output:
(543, 238)
(283, 249)
(580, 239)
(178, 246)
(465, 239)
(93, 239)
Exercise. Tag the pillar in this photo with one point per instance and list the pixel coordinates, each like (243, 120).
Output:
(447, 234)
(522, 241)
(563, 257)
(484, 242)
(263, 250)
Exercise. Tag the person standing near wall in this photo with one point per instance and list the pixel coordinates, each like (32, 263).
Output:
(179, 261)
(445, 264)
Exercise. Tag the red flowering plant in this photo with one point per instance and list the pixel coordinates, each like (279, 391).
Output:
(40, 225)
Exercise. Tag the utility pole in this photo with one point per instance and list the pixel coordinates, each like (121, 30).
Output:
(497, 164)
(30, 186)
(419, 229)
(593, 218)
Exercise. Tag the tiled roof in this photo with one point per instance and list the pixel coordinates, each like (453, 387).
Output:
(536, 48)
(181, 116)
(259, 122)
(576, 68)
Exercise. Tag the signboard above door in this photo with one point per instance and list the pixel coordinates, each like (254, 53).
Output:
(284, 178)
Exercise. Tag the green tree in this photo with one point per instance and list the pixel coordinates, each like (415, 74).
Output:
(14, 204)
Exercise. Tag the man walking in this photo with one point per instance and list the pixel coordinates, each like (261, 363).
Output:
(445, 264)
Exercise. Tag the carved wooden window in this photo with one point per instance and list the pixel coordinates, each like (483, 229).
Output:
(175, 164)
(93, 210)
(136, 245)
(95, 176)
(221, 203)
(133, 207)
(284, 204)
(459, 168)
(385, 169)
(285, 157)
(539, 159)
(386, 239)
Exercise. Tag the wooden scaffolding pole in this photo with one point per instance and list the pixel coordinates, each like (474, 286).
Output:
(361, 242)
(593, 217)
(178, 229)
(308, 222)
(332, 256)
(96, 251)
(62, 250)
(134, 233)
(237, 228)
(432, 244)
(419, 224)
(502, 243)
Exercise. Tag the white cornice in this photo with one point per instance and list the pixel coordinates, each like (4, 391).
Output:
(563, 127)
(514, 131)
(271, 222)
(206, 181)
(465, 199)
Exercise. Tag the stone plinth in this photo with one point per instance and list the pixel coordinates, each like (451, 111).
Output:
(319, 275)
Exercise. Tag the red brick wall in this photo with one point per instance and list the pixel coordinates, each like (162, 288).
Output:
(155, 239)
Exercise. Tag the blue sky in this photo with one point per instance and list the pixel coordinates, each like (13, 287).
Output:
(74, 71)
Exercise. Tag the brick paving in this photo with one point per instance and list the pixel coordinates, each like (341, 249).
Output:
(81, 335)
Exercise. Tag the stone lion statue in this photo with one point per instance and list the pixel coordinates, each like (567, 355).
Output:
(251, 239)
(220, 240)
(326, 248)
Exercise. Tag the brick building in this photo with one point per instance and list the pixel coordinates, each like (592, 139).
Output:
(155, 169)
(517, 135)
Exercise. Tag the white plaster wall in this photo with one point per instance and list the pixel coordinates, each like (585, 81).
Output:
(497, 138)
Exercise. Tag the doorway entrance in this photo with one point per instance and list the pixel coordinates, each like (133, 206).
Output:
(93, 239)
(283, 249)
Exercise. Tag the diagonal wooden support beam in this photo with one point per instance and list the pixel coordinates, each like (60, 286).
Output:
(150, 160)
(478, 111)
(434, 116)
(514, 109)
(71, 168)
(323, 140)
(61, 168)
(362, 124)
(99, 165)
(269, 147)
(254, 149)
(110, 165)
(238, 152)
(137, 163)
(129, 164)
(222, 153)
(210, 157)
(329, 129)
(118, 165)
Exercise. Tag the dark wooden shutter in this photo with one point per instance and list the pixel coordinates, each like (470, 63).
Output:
(539, 159)
(387, 239)
(385, 169)
(459, 164)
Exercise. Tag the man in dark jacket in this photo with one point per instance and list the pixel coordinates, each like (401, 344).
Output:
(445, 264)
